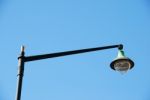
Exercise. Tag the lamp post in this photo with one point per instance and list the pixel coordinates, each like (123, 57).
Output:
(121, 63)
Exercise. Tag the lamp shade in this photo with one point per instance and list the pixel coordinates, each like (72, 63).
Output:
(122, 63)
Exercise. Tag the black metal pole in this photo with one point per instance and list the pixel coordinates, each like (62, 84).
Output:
(20, 74)
(66, 53)
(22, 59)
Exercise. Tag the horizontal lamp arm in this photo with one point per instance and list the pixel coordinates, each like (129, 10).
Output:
(59, 54)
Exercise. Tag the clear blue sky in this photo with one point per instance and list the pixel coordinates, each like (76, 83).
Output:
(46, 26)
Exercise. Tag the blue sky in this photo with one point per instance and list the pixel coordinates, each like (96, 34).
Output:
(47, 26)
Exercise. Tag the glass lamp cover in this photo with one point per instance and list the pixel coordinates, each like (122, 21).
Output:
(122, 65)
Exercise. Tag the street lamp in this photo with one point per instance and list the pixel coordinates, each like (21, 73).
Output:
(121, 63)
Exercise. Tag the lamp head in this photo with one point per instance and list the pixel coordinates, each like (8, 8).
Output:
(122, 63)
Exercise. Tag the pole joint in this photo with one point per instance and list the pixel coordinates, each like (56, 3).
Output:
(120, 47)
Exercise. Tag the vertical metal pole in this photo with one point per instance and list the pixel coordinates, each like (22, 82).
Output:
(20, 74)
